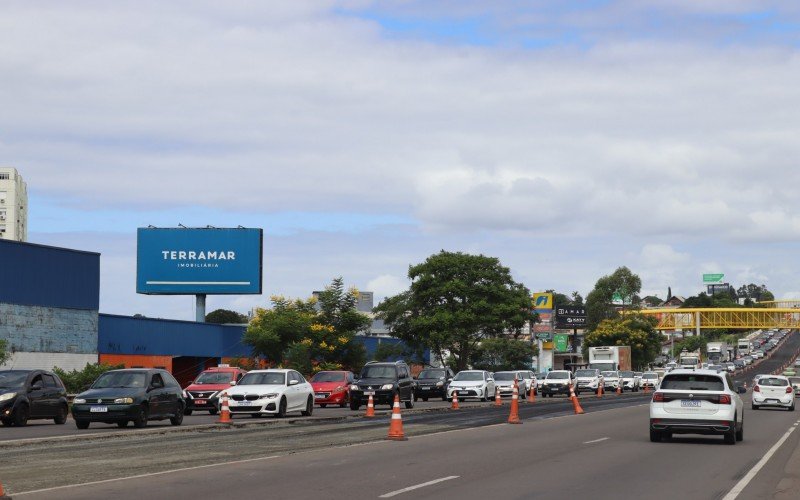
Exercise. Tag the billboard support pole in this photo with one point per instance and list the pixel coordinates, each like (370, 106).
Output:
(200, 308)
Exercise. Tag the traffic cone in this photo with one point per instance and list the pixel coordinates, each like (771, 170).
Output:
(454, 406)
(513, 418)
(646, 388)
(600, 390)
(3, 495)
(575, 404)
(396, 426)
(370, 408)
(498, 401)
(532, 394)
(619, 390)
(224, 411)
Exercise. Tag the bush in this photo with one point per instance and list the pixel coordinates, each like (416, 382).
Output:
(77, 381)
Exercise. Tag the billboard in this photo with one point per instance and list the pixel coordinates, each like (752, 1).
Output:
(561, 343)
(570, 317)
(183, 261)
(542, 301)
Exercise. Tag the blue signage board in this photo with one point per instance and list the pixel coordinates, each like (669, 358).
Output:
(178, 261)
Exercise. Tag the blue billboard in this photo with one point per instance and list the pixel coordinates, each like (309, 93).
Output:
(211, 261)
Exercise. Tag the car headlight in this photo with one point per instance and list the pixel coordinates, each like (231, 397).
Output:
(124, 401)
(339, 389)
(387, 387)
(271, 395)
(353, 387)
(7, 396)
(439, 384)
(76, 401)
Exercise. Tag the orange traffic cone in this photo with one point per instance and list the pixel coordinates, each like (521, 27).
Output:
(513, 418)
(370, 408)
(3, 494)
(532, 394)
(575, 404)
(498, 401)
(224, 411)
(454, 406)
(619, 390)
(600, 390)
(396, 426)
(646, 388)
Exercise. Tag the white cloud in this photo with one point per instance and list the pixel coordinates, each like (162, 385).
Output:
(387, 285)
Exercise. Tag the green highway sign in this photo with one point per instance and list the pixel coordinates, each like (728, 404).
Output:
(713, 278)
(544, 336)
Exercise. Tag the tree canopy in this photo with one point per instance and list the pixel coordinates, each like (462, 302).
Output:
(634, 330)
(503, 354)
(456, 300)
(622, 286)
(222, 316)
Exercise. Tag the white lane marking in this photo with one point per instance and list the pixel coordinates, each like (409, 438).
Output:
(597, 440)
(418, 486)
(184, 469)
(742, 484)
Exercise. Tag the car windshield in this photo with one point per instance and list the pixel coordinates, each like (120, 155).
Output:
(12, 379)
(609, 374)
(263, 378)
(214, 378)
(650, 375)
(120, 379)
(692, 382)
(558, 375)
(527, 375)
(794, 380)
(626, 374)
(431, 374)
(469, 376)
(585, 373)
(328, 377)
(379, 372)
(773, 382)
(504, 376)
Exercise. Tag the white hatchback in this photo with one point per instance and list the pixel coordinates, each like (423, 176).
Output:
(697, 402)
(773, 391)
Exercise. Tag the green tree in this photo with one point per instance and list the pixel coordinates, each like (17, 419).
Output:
(4, 354)
(455, 301)
(634, 330)
(622, 284)
(222, 316)
(692, 343)
(273, 330)
(498, 354)
(77, 381)
(652, 301)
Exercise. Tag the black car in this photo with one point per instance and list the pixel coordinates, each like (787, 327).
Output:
(31, 394)
(433, 383)
(383, 381)
(132, 395)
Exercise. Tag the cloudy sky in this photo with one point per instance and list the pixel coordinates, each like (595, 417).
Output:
(565, 138)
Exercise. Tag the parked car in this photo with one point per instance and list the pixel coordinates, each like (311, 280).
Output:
(558, 382)
(588, 380)
(505, 383)
(332, 388)
(31, 394)
(131, 395)
(775, 391)
(629, 381)
(383, 381)
(472, 384)
(272, 392)
(697, 402)
(433, 383)
(204, 392)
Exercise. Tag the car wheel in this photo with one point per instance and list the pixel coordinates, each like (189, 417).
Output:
(82, 424)
(485, 397)
(754, 406)
(730, 437)
(141, 418)
(791, 408)
(187, 411)
(122, 424)
(410, 403)
(323, 405)
(281, 408)
(354, 406)
(178, 418)
(655, 436)
(740, 432)
(21, 415)
(212, 411)
(309, 407)
(416, 398)
(6, 422)
(345, 401)
(61, 416)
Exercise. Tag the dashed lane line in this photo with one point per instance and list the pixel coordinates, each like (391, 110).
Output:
(418, 486)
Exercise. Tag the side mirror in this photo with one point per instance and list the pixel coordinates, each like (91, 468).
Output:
(293, 382)
(741, 390)
(233, 382)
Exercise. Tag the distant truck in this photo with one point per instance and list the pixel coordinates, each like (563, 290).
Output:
(743, 347)
(611, 358)
(690, 359)
(718, 352)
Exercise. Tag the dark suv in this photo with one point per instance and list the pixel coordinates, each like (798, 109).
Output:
(31, 394)
(383, 381)
(433, 383)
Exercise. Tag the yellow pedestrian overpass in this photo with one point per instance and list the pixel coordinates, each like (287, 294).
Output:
(736, 317)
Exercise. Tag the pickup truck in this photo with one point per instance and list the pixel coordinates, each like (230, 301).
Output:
(557, 382)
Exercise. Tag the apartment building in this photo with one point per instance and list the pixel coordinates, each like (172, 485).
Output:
(13, 205)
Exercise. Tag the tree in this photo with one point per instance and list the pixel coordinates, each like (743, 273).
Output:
(691, 344)
(4, 354)
(222, 316)
(634, 330)
(272, 330)
(503, 354)
(77, 381)
(623, 285)
(652, 301)
(577, 299)
(456, 300)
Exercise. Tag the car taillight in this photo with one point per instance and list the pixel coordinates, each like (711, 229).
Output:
(756, 388)
(724, 399)
(789, 390)
(658, 397)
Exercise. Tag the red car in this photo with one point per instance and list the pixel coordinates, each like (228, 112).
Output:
(203, 393)
(332, 388)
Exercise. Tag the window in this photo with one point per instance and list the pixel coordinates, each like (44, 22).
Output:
(171, 382)
(5, 175)
(37, 380)
(49, 381)
(692, 382)
(157, 381)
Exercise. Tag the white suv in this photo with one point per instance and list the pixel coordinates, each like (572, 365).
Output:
(773, 390)
(557, 382)
(697, 402)
(588, 380)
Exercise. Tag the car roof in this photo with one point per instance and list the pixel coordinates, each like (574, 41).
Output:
(701, 371)
(271, 370)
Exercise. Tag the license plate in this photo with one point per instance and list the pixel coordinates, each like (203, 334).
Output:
(200, 401)
(463, 393)
(98, 409)
(425, 388)
(319, 396)
(690, 404)
(244, 403)
(369, 393)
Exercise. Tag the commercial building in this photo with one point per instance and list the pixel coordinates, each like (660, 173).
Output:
(13, 206)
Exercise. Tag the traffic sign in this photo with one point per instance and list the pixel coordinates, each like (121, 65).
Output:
(544, 336)
(713, 278)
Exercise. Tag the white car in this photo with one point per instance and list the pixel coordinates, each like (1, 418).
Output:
(477, 384)
(697, 402)
(588, 380)
(629, 381)
(505, 383)
(650, 380)
(611, 379)
(530, 380)
(558, 382)
(775, 391)
(271, 392)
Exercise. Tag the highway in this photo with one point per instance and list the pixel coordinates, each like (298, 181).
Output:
(470, 453)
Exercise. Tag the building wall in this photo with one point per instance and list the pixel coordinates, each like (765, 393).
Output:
(134, 361)
(48, 329)
(49, 360)
(13, 205)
